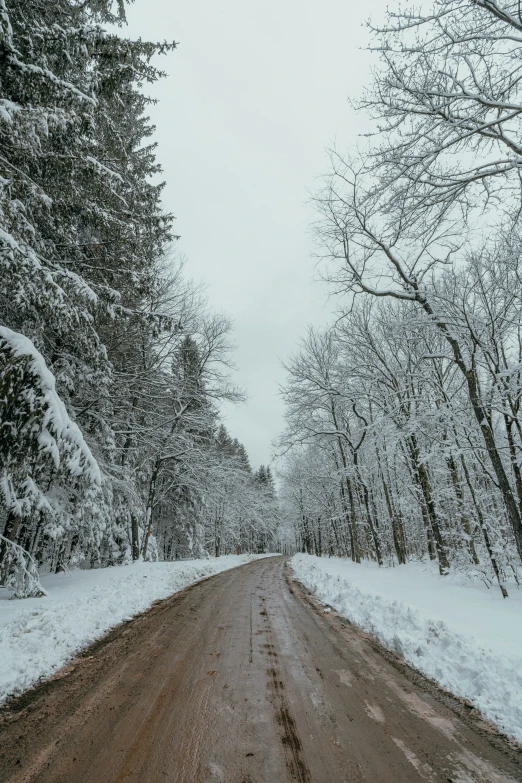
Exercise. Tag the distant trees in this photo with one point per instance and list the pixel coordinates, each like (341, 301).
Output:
(386, 460)
(111, 366)
(413, 397)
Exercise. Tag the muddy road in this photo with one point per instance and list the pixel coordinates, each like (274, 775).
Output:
(244, 678)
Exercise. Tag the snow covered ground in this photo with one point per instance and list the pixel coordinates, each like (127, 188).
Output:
(464, 636)
(39, 635)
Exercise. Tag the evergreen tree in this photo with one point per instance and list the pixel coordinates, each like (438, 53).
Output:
(80, 226)
(111, 367)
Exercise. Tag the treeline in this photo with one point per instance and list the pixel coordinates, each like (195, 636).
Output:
(404, 418)
(112, 367)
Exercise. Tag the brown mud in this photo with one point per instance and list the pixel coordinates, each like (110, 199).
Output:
(245, 678)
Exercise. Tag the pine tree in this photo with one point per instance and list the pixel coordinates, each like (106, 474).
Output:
(80, 227)
(111, 368)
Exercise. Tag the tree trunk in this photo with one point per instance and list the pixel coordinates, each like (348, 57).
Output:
(463, 516)
(375, 537)
(135, 536)
(498, 466)
(514, 460)
(425, 484)
(356, 551)
(10, 531)
(432, 551)
(473, 384)
(483, 527)
(396, 525)
(150, 505)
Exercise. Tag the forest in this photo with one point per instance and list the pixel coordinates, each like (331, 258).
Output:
(403, 431)
(113, 366)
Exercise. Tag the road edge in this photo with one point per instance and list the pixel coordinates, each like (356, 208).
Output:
(463, 709)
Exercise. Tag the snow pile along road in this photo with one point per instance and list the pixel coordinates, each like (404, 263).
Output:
(462, 635)
(39, 635)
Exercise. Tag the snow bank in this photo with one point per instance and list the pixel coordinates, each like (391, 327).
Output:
(464, 636)
(39, 635)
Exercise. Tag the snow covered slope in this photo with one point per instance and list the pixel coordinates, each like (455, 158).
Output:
(464, 636)
(39, 635)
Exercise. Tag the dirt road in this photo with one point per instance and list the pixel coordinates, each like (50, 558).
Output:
(243, 678)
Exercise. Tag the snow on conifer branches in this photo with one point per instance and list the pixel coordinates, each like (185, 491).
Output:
(40, 448)
(38, 438)
(111, 364)
(20, 572)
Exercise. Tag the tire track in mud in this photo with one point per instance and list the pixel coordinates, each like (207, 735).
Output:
(292, 745)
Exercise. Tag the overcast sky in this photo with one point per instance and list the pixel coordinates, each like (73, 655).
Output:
(256, 92)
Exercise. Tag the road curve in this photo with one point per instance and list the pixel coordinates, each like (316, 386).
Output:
(244, 678)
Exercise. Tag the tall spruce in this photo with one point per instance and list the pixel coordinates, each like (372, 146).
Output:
(111, 368)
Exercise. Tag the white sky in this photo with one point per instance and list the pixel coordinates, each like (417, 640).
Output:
(256, 91)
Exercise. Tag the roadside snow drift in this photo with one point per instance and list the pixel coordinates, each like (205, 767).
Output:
(39, 635)
(464, 636)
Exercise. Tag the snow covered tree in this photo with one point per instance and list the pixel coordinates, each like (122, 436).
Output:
(447, 104)
(44, 460)
(111, 366)
(433, 204)
(418, 481)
